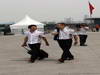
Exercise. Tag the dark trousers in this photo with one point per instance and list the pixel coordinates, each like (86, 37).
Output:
(83, 39)
(97, 29)
(65, 45)
(35, 50)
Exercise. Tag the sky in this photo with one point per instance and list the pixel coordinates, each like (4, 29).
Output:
(46, 10)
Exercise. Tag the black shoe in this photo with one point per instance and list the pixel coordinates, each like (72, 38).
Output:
(83, 45)
(61, 60)
(41, 58)
(32, 60)
(70, 58)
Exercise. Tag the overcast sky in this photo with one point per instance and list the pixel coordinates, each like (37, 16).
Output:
(46, 10)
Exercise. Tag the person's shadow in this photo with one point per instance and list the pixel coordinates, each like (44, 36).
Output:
(27, 60)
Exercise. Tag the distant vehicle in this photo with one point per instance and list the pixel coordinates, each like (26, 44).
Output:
(5, 28)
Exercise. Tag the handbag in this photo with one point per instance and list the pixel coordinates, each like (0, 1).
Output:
(56, 37)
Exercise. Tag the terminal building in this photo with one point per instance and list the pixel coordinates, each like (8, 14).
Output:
(94, 23)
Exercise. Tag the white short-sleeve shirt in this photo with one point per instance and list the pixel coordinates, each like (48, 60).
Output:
(66, 33)
(34, 37)
(83, 31)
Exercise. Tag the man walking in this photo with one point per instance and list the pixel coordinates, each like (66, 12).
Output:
(83, 34)
(65, 41)
(33, 39)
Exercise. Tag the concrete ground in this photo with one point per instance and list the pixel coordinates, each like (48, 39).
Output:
(14, 59)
